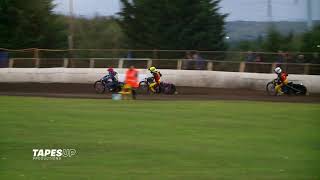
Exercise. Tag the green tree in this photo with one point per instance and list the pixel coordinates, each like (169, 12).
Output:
(25, 24)
(178, 24)
(276, 41)
(273, 41)
(98, 33)
(311, 40)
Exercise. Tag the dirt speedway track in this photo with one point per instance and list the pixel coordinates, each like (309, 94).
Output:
(185, 93)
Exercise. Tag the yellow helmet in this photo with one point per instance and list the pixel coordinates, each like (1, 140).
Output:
(152, 69)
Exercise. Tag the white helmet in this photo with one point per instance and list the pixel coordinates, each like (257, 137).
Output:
(278, 70)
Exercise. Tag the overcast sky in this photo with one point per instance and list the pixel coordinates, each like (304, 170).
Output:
(249, 10)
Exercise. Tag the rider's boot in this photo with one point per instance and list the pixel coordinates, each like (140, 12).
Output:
(278, 90)
(280, 93)
(152, 87)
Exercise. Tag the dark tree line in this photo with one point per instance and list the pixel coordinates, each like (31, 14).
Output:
(25, 24)
(275, 41)
(178, 24)
(141, 24)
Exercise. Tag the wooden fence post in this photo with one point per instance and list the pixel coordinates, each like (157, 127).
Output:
(37, 59)
(155, 54)
(179, 64)
(210, 66)
(149, 63)
(11, 63)
(307, 68)
(65, 62)
(120, 65)
(273, 66)
(91, 65)
(242, 66)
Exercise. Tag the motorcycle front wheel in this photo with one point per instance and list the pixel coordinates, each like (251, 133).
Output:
(271, 89)
(143, 87)
(99, 87)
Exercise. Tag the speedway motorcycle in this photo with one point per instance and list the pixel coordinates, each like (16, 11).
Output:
(165, 88)
(105, 84)
(289, 89)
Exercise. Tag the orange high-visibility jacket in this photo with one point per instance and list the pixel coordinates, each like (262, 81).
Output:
(132, 78)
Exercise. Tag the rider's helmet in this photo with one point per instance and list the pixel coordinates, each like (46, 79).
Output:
(110, 70)
(277, 70)
(152, 69)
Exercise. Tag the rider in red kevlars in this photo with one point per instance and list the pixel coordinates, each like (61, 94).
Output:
(281, 80)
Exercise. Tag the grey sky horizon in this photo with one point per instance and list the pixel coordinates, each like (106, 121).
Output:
(239, 10)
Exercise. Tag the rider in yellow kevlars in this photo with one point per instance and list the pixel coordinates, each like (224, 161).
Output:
(281, 80)
(157, 76)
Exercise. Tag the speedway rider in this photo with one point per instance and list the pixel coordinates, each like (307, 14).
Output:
(156, 76)
(111, 77)
(281, 80)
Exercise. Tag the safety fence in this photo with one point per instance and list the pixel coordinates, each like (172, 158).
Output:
(258, 62)
(180, 64)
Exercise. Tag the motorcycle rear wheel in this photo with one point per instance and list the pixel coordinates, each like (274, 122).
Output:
(169, 89)
(299, 90)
